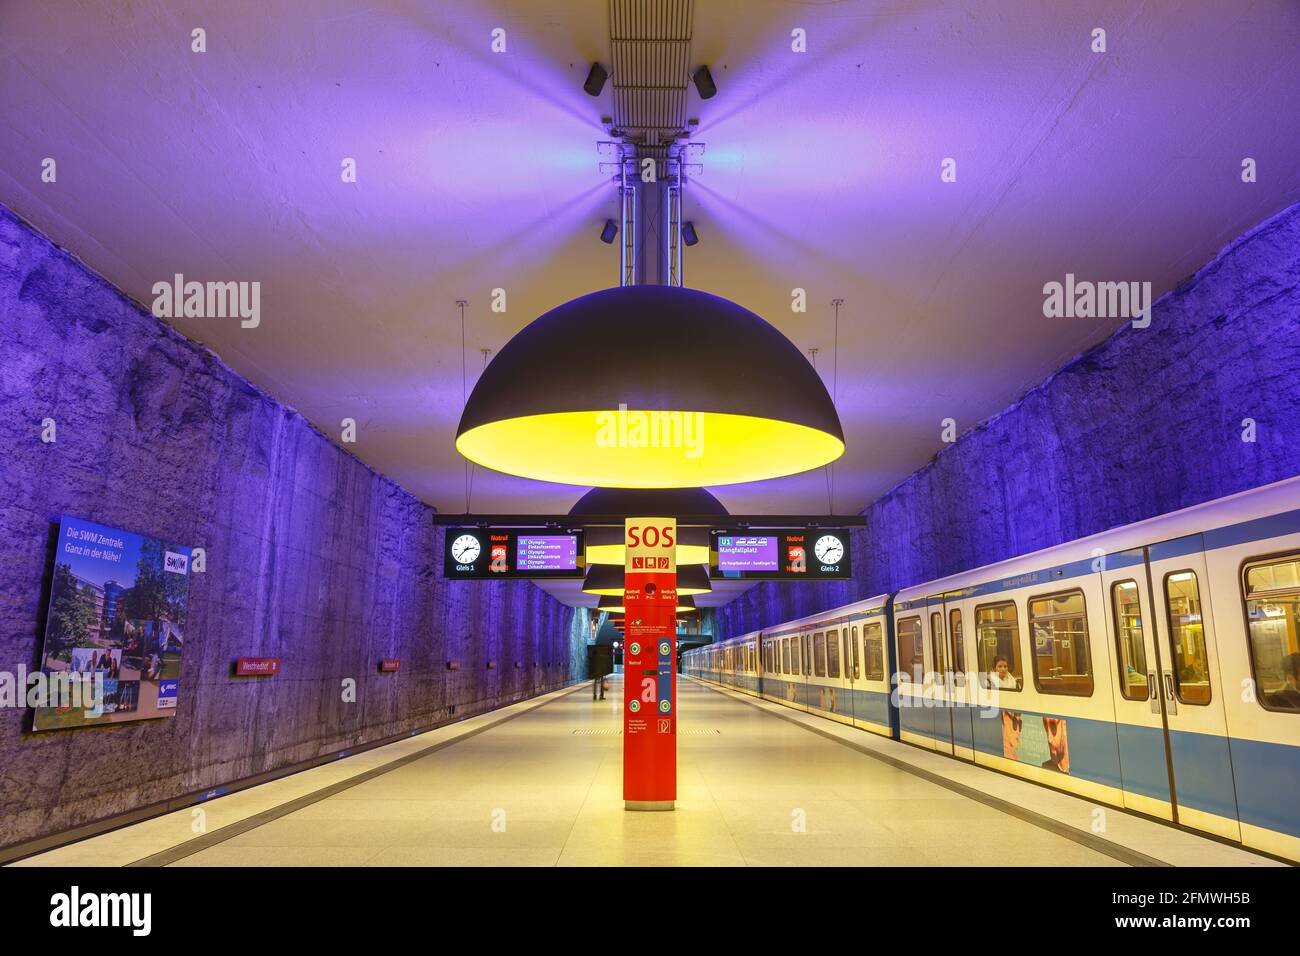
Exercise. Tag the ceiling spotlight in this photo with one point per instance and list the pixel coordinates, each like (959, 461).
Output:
(609, 232)
(596, 78)
(530, 416)
(689, 235)
(704, 83)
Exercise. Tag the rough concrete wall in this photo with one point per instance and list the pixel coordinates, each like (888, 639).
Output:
(1148, 422)
(312, 557)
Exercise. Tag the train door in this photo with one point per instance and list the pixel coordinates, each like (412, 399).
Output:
(852, 670)
(915, 719)
(808, 687)
(799, 680)
(940, 677)
(1139, 715)
(1191, 688)
(839, 674)
(963, 718)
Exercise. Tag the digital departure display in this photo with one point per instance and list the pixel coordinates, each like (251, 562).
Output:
(547, 552)
(488, 553)
(749, 552)
(808, 554)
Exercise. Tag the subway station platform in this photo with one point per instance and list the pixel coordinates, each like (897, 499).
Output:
(538, 783)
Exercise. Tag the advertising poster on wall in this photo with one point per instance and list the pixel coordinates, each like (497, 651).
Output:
(116, 622)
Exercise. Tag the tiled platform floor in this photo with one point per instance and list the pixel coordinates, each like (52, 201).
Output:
(545, 788)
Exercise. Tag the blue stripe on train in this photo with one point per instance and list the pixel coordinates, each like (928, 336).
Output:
(855, 702)
(1266, 775)
(1268, 779)
(1142, 758)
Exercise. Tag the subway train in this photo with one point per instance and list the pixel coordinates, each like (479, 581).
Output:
(1153, 667)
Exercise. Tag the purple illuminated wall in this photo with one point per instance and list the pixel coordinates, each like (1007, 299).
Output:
(311, 557)
(1148, 422)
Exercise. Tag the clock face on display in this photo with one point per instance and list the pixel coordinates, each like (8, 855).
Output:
(466, 549)
(829, 549)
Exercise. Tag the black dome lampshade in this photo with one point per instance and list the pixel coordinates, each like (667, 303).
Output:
(605, 544)
(690, 390)
(648, 502)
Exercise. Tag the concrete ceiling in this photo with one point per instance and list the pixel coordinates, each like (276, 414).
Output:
(478, 170)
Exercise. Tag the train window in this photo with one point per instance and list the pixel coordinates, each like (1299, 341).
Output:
(1272, 592)
(852, 644)
(997, 637)
(832, 653)
(819, 655)
(873, 651)
(795, 657)
(1129, 638)
(958, 648)
(1191, 658)
(938, 649)
(1059, 625)
(785, 655)
(911, 650)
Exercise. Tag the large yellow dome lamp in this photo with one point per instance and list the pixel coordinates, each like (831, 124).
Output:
(690, 390)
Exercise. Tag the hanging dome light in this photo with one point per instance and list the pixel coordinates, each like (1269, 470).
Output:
(607, 579)
(690, 389)
(604, 544)
(614, 605)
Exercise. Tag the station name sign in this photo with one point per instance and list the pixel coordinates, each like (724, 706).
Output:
(803, 554)
(496, 553)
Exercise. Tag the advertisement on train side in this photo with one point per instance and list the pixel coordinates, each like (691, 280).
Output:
(1034, 740)
(115, 627)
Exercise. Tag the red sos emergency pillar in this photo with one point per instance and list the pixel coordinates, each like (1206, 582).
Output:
(649, 664)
